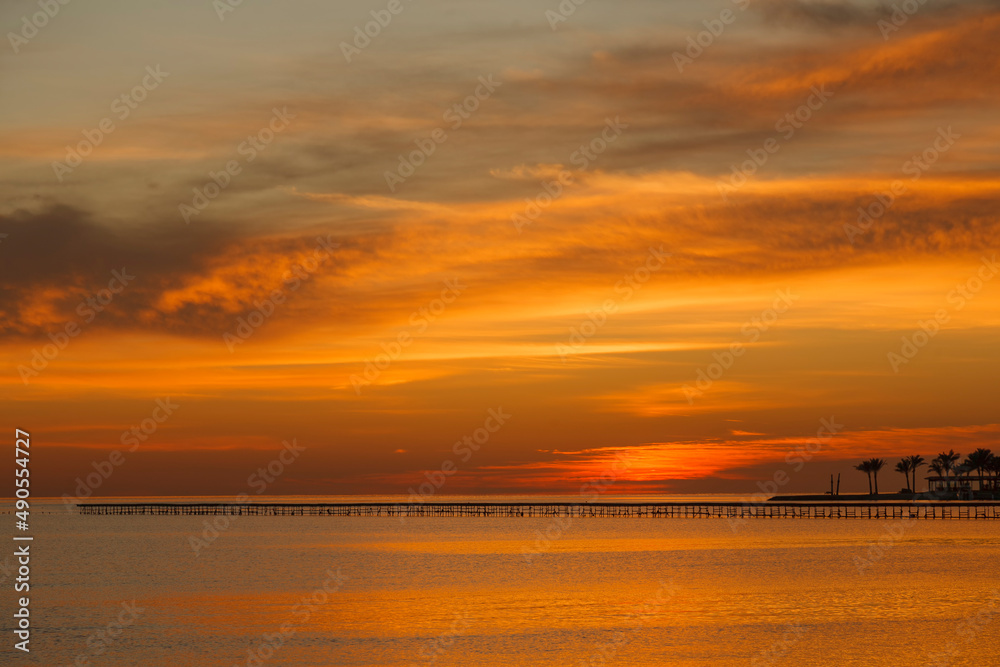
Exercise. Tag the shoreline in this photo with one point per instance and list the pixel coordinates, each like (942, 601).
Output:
(864, 497)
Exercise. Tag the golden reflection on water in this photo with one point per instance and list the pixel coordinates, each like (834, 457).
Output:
(491, 591)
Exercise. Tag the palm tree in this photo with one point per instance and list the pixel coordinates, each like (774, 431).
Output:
(978, 460)
(947, 461)
(903, 468)
(962, 470)
(915, 462)
(876, 465)
(938, 470)
(866, 467)
(993, 465)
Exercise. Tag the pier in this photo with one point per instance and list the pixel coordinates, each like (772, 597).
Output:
(681, 510)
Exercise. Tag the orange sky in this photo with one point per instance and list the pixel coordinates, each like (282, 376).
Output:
(628, 259)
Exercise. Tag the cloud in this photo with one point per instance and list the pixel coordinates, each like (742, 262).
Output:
(196, 282)
(191, 283)
(827, 14)
(816, 13)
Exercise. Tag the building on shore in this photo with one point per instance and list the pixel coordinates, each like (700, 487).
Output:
(960, 483)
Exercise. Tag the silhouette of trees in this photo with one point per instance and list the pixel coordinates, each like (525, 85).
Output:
(983, 461)
(866, 468)
(915, 462)
(876, 465)
(993, 466)
(946, 464)
(978, 461)
(903, 468)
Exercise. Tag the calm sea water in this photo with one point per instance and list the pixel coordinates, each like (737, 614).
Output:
(507, 591)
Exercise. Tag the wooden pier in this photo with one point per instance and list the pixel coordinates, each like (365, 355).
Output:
(683, 510)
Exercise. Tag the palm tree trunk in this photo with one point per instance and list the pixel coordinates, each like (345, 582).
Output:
(869, 484)
(876, 482)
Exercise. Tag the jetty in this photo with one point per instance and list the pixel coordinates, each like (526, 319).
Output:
(680, 510)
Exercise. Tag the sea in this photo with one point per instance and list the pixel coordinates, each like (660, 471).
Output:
(300, 590)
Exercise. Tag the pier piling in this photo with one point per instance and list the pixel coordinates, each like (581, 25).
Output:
(969, 510)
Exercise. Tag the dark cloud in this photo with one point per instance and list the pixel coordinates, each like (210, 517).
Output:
(54, 259)
(819, 13)
(827, 14)
(66, 246)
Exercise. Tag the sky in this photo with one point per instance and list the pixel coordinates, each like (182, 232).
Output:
(496, 248)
